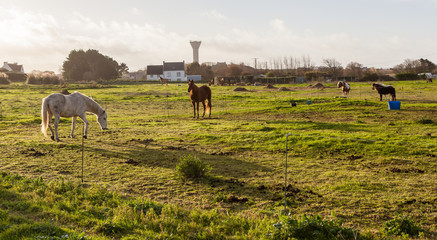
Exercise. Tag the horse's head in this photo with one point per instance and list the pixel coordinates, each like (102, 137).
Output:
(373, 86)
(102, 119)
(190, 85)
(339, 84)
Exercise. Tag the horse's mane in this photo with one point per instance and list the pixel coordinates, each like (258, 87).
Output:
(380, 84)
(95, 107)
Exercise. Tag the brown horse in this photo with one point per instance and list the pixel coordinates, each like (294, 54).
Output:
(199, 94)
(163, 80)
(345, 87)
(384, 90)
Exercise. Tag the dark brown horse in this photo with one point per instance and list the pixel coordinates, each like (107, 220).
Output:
(163, 80)
(384, 90)
(199, 94)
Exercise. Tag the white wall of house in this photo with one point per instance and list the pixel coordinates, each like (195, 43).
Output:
(175, 75)
(154, 76)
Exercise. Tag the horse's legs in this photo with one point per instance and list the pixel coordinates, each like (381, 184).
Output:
(50, 126)
(83, 117)
(197, 106)
(204, 108)
(57, 118)
(380, 97)
(194, 109)
(73, 124)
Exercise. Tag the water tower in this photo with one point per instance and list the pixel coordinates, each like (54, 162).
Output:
(195, 45)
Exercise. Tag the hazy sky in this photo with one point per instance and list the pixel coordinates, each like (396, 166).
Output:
(376, 33)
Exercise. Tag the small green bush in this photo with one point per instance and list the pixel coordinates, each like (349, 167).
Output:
(192, 168)
(270, 74)
(402, 225)
(314, 228)
(407, 76)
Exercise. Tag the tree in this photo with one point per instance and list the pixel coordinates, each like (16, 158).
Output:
(415, 66)
(194, 69)
(204, 70)
(90, 65)
(234, 70)
(122, 68)
(354, 69)
(333, 67)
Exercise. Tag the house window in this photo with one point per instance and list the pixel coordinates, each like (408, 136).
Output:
(178, 74)
(168, 74)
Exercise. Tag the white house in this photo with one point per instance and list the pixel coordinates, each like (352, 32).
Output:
(174, 71)
(13, 67)
(154, 72)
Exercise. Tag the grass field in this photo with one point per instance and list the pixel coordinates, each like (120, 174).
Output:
(352, 158)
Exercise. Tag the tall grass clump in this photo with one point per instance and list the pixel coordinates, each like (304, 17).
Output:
(314, 228)
(191, 167)
(401, 226)
(4, 79)
(47, 77)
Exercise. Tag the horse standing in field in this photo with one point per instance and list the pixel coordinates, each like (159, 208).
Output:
(73, 105)
(384, 90)
(199, 94)
(345, 87)
(163, 80)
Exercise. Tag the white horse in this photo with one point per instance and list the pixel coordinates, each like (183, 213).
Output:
(345, 87)
(73, 105)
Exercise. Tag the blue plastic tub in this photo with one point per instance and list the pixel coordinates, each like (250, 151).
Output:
(394, 105)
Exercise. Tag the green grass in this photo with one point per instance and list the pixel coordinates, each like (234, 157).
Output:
(352, 157)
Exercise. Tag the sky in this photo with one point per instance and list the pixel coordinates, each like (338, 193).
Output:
(375, 33)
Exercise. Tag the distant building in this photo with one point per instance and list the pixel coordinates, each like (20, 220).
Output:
(134, 75)
(194, 77)
(13, 67)
(174, 71)
(154, 72)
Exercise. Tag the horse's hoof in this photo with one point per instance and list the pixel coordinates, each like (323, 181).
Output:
(58, 140)
(53, 138)
(84, 136)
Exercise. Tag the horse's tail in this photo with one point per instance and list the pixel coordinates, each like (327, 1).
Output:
(394, 95)
(44, 118)
(209, 105)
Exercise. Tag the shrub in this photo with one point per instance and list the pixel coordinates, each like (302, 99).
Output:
(4, 78)
(402, 225)
(370, 77)
(16, 76)
(407, 76)
(270, 74)
(192, 167)
(37, 77)
(313, 227)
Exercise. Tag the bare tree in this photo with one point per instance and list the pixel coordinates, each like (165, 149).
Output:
(333, 67)
(307, 64)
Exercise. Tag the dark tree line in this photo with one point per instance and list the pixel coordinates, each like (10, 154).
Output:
(91, 65)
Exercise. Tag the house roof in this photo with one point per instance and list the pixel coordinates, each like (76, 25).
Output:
(14, 66)
(154, 69)
(174, 66)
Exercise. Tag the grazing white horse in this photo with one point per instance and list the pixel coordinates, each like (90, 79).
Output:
(345, 87)
(73, 105)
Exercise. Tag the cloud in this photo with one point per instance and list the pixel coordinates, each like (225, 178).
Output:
(214, 14)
